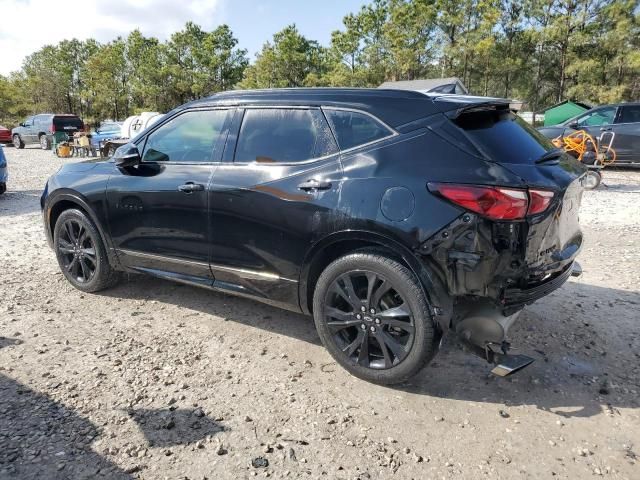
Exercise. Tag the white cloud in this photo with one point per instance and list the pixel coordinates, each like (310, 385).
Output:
(28, 25)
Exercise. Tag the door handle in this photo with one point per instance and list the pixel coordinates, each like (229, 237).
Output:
(313, 184)
(191, 187)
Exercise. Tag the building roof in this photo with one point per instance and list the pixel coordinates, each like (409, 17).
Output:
(422, 84)
(584, 105)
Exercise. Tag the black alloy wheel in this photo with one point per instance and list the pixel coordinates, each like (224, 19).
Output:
(81, 254)
(372, 315)
(77, 250)
(369, 320)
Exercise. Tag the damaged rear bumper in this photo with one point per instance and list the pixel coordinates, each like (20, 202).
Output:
(514, 299)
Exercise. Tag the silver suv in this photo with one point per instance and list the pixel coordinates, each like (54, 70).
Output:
(40, 129)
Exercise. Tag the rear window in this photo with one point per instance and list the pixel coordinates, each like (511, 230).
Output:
(68, 123)
(503, 137)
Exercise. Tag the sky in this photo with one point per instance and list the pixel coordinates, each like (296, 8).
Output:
(28, 25)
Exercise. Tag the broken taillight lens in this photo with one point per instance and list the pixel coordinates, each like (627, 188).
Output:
(539, 201)
(497, 203)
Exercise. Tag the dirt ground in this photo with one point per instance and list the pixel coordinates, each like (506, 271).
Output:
(156, 380)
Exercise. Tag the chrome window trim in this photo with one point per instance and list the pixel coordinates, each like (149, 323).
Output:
(393, 132)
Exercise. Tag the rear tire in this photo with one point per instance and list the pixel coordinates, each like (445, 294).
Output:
(17, 141)
(45, 144)
(81, 254)
(3, 188)
(389, 341)
(592, 179)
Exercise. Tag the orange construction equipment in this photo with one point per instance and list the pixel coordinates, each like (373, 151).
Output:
(588, 149)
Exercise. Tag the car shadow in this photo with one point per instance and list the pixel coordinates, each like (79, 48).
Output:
(41, 438)
(19, 202)
(577, 358)
(167, 427)
(44, 439)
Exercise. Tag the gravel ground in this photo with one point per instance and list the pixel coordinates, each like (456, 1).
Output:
(157, 380)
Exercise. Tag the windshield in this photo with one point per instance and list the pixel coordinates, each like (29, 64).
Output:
(109, 127)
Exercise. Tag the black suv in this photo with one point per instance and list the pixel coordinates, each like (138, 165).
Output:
(39, 129)
(390, 216)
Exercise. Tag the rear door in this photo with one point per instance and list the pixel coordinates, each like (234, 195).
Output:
(277, 186)
(158, 209)
(68, 124)
(627, 130)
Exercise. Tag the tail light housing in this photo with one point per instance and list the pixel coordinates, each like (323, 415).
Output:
(539, 201)
(52, 128)
(497, 203)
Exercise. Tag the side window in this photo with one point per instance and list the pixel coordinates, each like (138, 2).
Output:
(28, 122)
(353, 128)
(630, 114)
(602, 116)
(272, 135)
(190, 137)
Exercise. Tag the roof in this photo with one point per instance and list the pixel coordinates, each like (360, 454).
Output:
(422, 84)
(584, 105)
(394, 107)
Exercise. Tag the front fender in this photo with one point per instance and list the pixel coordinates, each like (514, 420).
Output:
(62, 199)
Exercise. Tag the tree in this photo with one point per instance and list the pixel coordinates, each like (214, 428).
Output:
(287, 62)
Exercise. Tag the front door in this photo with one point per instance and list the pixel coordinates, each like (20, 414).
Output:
(158, 209)
(277, 186)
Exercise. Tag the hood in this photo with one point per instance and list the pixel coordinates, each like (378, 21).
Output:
(83, 166)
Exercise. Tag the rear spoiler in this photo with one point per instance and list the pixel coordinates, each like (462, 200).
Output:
(455, 105)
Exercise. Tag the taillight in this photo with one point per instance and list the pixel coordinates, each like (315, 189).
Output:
(52, 128)
(497, 203)
(539, 201)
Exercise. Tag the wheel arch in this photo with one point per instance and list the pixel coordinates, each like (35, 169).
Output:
(66, 200)
(338, 244)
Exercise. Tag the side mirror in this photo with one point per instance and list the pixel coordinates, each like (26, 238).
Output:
(21, 124)
(127, 156)
(574, 125)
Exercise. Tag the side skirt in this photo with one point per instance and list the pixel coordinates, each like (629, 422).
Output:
(220, 286)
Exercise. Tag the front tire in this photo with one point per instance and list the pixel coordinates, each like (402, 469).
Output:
(17, 141)
(373, 317)
(81, 254)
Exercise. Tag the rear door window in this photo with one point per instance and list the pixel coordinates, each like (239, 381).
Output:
(353, 129)
(502, 136)
(283, 135)
(630, 114)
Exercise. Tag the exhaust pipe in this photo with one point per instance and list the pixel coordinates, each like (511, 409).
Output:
(508, 364)
(484, 330)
